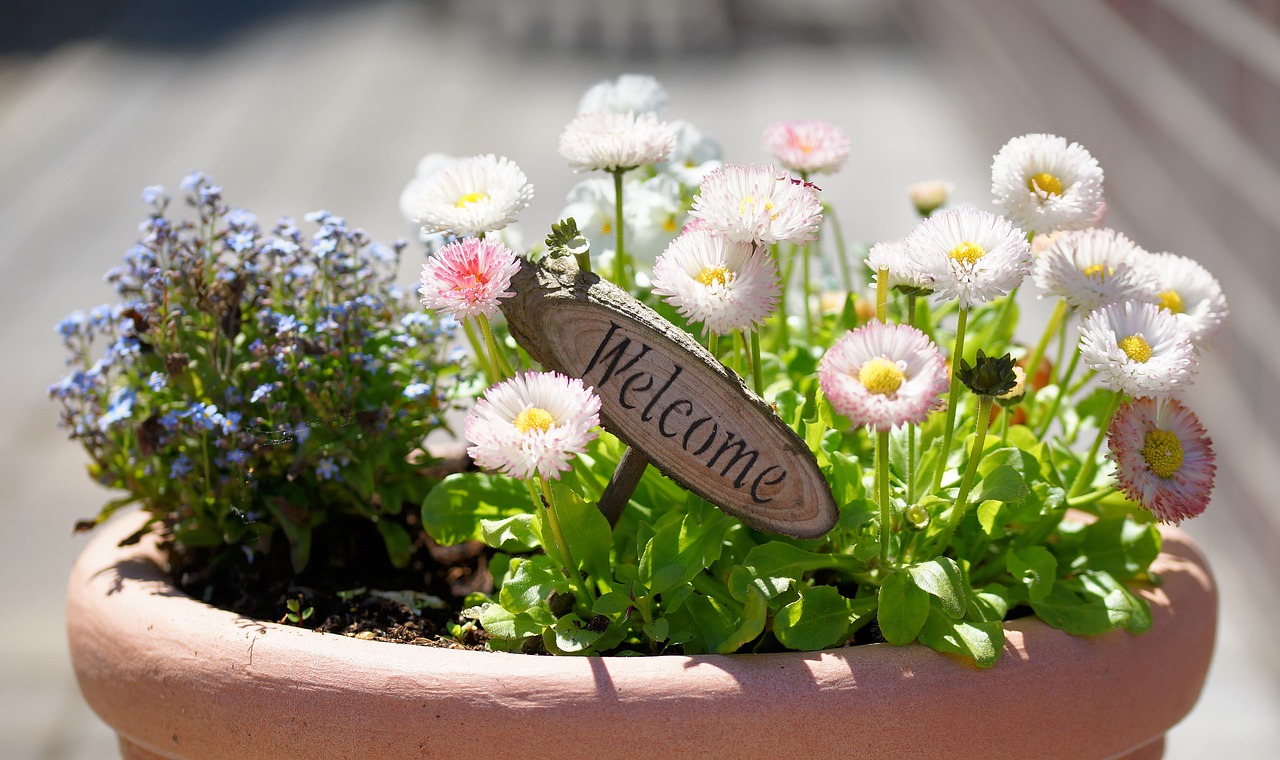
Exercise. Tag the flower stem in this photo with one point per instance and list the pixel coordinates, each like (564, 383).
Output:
(1033, 361)
(1062, 391)
(757, 373)
(496, 358)
(882, 488)
(882, 295)
(1085, 476)
(966, 484)
(562, 544)
(477, 350)
(620, 256)
(842, 256)
(948, 432)
(807, 252)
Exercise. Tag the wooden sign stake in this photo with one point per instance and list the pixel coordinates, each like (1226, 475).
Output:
(665, 396)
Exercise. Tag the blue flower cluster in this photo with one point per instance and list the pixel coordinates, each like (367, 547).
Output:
(255, 379)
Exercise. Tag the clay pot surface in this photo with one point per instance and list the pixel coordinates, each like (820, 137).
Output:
(177, 678)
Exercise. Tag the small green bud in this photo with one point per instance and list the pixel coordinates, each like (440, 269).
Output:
(916, 517)
(988, 376)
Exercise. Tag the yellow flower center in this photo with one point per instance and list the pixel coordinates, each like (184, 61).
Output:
(1163, 452)
(606, 227)
(533, 418)
(1136, 348)
(1172, 300)
(967, 253)
(881, 376)
(751, 202)
(1046, 183)
(670, 224)
(1100, 271)
(710, 275)
(470, 198)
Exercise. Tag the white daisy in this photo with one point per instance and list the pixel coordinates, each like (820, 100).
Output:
(884, 375)
(1164, 460)
(758, 204)
(1191, 293)
(972, 256)
(902, 272)
(652, 215)
(600, 140)
(723, 284)
(696, 155)
(427, 166)
(1091, 268)
(533, 423)
(469, 197)
(810, 146)
(1137, 348)
(1043, 184)
(639, 93)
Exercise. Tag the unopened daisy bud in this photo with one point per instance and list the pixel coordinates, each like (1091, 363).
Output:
(600, 140)
(916, 517)
(930, 195)
(1042, 183)
(808, 147)
(1014, 395)
(989, 375)
(1164, 460)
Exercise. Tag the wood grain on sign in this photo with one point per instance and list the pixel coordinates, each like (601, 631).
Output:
(666, 396)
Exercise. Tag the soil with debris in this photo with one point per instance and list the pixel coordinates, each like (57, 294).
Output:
(355, 591)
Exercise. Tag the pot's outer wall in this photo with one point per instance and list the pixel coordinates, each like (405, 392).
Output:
(180, 679)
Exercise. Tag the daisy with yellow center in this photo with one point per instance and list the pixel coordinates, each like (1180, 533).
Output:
(722, 284)
(1189, 292)
(1042, 183)
(884, 375)
(903, 274)
(969, 255)
(469, 197)
(753, 204)
(1137, 348)
(1094, 267)
(1164, 460)
(532, 424)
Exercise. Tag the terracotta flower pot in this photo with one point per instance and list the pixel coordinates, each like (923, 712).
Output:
(179, 679)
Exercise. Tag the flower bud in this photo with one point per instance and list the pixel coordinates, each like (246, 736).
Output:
(916, 517)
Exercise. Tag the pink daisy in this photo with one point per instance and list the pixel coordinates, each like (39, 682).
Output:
(468, 277)
(753, 204)
(533, 423)
(1164, 460)
(807, 147)
(884, 375)
(723, 284)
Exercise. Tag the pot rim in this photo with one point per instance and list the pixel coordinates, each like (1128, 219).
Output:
(171, 674)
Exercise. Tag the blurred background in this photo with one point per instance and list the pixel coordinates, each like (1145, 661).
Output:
(293, 106)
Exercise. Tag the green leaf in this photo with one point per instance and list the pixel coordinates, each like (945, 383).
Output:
(399, 544)
(980, 641)
(504, 624)
(1093, 603)
(530, 582)
(1118, 546)
(941, 578)
(513, 534)
(657, 629)
(743, 581)
(1004, 484)
(586, 530)
(681, 547)
(454, 509)
(1035, 567)
(612, 603)
(817, 620)
(987, 513)
(570, 635)
(990, 604)
(710, 623)
(902, 610)
(754, 615)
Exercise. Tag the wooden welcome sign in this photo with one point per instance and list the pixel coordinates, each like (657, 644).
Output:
(667, 397)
